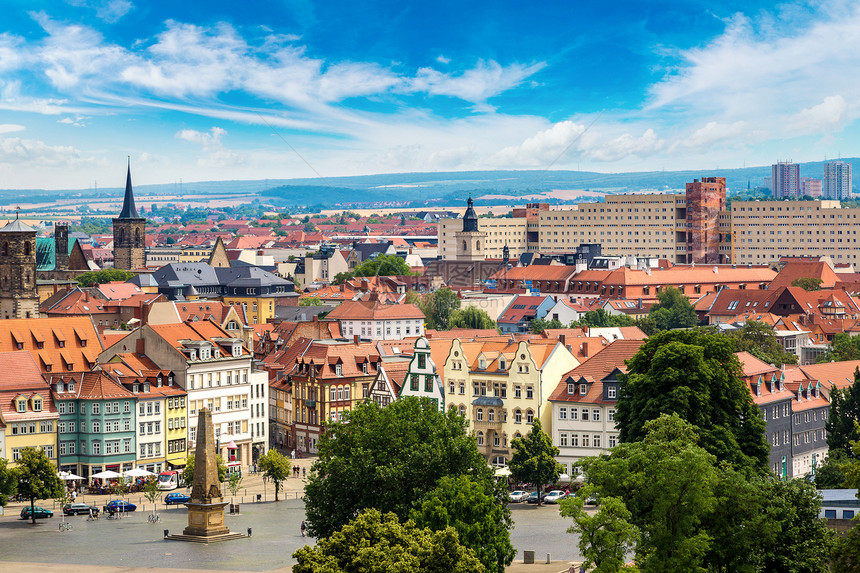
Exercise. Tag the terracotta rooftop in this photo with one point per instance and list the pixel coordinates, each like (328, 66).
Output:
(57, 344)
(595, 370)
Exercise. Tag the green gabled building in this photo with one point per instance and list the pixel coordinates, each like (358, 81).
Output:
(58, 261)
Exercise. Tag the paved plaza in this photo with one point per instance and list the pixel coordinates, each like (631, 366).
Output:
(133, 542)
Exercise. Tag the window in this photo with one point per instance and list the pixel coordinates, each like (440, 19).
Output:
(96, 408)
(530, 416)
(585, 414)
(562, 413)
(479, 414)
(611, 415)
(22, 405)
(491, 415)
(585, 441)
(480, 438)
(61, 407)
(96, 427)
(37, 404)
(518, 416)
(529, 392)
(595, 415)
(462, 388)
(518, 392)
(571, 388)
(611, 392)
(847, 514)
(562, 439)
(574, 440)
(596, 440)
(613, 441)
(583, 389)
(97, 448)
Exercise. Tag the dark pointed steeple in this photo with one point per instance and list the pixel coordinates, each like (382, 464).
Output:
(470, 218)
(129, 211)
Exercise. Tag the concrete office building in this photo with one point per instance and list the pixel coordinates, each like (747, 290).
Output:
(785, 180)
(836, 183)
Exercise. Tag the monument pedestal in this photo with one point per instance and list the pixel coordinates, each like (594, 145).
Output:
(205, 519)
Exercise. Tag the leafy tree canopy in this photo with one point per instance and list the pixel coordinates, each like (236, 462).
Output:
(478, 512)
(807, 283)
(538, 325)
(534, 456)
(8, 482)
(696, 375)
(673, 310)
(438, 307)
(187, 474)
(36, 477)
(276, 468)
(842, 347)
(383, 266)
(310, 301)
(471, 317)
(341, 278)
(759, 339)
(599, 318)
(386, 458)
(93, 278)
(841, 424)
(375, 542)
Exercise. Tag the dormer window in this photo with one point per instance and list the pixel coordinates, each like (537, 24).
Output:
(71, 386)
(237, 350)
(482, 364)
(170, 380)
(61, 387)
(758, 389)
(22, 405)
(338, 370)
(501, 363)
(37, 404)
(193, 355)
(583, 389)
(136, 388)
(364, 367)
(571, 388)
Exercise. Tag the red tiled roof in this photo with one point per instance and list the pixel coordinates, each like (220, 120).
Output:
(794, 270)
(375, 310)
(595, 370)
(62, 339)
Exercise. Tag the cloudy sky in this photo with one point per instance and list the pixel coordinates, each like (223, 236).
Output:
(221, 90)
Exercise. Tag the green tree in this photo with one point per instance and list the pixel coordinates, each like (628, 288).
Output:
(845, 553)
(8, 482)
(842, 347)
(829, 474)
(759, 339)
(383, 266)
(276, 468)
(341, 278)
(605, 536)
(807, 283)
(374, 542)
(310, 301)
(600, 318)
(151, 491)
(696, 375)
(234, 483)
(673, 310)
(534, 456)
(478, 512)
(93, 278)
(438, 307)
(36, 477)
(538, 325)
(471, 317)
(187, 474)
(386, 458)
(841, 424)
(667, 483)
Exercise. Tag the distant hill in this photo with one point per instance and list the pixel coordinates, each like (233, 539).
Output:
(433, 188)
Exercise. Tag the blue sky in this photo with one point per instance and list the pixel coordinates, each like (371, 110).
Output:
(222, 90)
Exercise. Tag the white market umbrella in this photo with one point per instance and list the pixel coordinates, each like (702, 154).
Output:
(137, 473)
(69, 477)
(564, 477)
(503, 472)
(107, 474)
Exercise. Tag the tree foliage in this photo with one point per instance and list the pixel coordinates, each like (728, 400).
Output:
(599, 318)
(341, 278)
(830, 473)
(759, 339)
(842, 347)
(807, 283)
(841, 424)
(605, 536)
(8, 482)
(538, 325)
(438, 307)
(36, 477)
(310, 301)
(696, 375)
(276, 468)
(695, 514)
(471, 317)
(386, 458)
(187, 473)
(533, 460)
(382, 266)
(374, 542)
(478, 512)
(673, 310)
(93, 278)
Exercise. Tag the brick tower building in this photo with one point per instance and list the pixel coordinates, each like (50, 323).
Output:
(129, 232)
(18, 295)
(705, 200)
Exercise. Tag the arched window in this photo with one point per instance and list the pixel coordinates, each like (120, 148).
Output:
(477, 245)
(479, 414)
(464, 246)
(462, 410)
(27, 248)
(137, 237)
(530, 416)
(452, 407)
(504, 440)
(518, 416)
(480, 438)
(491, 415)
(518, 435)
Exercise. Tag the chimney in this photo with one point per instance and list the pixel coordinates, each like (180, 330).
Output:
(563, 339)
(585, 349)
(640, 302)
(140, 347)
(315, 318)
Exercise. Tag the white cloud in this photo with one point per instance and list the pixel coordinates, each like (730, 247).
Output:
(11, 127)
(544, 147)
(443, 60)
(624, 145)
(214, 152)
(830, 115)
(76, 121)
(27, 152)
(476, 85)
(112, 11)
(713, 132)
(206, 139)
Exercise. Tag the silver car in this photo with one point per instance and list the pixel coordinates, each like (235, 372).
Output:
(518, 496)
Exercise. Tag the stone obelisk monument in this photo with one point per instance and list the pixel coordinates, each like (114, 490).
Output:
(205, 508)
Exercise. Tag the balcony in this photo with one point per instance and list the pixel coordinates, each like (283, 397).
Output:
(486, 425)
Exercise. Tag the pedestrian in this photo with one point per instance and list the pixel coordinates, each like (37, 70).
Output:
(303, 527)
(74, 495)
(293, 454)
(304, 470)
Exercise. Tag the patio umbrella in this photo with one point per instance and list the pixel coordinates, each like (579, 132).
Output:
(138, 472)
(503, 472)
(232, 445)
(107, 474)
(69, 476)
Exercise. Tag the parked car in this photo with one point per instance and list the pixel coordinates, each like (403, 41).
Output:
(176, 497)
(533, 497)
(554, 496)
(79, 509)
(39, 512)
(119, 505)
(518, 496)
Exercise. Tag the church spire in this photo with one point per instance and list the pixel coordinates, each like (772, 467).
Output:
(129, 211)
